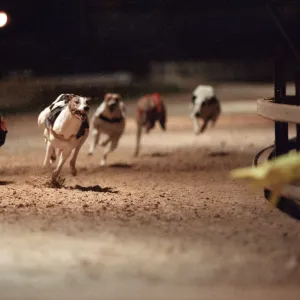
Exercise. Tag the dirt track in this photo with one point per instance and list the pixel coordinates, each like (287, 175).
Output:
(167, 225)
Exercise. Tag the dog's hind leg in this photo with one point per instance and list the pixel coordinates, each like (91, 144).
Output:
(113, 145)
(62, 159)
(76, 152)
(215, 119)
(203, 128)
(163, 119)
(95, 141)
(49, 149)
(105, 142)
(138, 139)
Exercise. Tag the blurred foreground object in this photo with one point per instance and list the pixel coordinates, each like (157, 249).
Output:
(3, 19)
(276, 173)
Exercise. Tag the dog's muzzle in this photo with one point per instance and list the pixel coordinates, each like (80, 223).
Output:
(80, 114)
(112, 105)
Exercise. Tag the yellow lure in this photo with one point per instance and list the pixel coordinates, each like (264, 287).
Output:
(274, 174)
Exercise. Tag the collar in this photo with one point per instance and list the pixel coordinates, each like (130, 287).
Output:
(112, 120)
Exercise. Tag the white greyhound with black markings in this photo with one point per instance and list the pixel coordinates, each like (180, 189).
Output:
(109, 119)
(205, 105)
(66, 129)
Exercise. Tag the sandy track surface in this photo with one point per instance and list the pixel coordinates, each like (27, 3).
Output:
(169, 224)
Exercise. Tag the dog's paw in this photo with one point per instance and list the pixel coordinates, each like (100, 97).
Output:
(102, 163)
(47, 166)
(54, 176)
(73, 171)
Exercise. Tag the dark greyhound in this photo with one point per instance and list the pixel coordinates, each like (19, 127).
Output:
(150, 108)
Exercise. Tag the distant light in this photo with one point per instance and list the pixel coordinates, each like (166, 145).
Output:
(3, 19)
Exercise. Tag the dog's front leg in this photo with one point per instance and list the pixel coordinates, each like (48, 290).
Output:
(196, 124)
(49, 151)
(65, 153)
(113, 145)
(95, 140)
(76, 152)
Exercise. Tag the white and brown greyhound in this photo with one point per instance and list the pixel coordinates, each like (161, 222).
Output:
(66, 129)
(109, 119)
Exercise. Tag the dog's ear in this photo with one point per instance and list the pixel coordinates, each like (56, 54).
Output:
(88, 100)
(118, 97)
(107, 96)
(68, 97)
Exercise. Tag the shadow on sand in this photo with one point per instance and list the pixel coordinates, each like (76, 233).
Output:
(4, 182)
(94, 188)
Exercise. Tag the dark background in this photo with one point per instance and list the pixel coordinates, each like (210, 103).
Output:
(71, 36)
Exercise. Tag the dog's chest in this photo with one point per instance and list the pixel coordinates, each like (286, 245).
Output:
(108, 123)
(109, 128)
(72, 142)
(67, 130)
(208, 109)
(66, 125)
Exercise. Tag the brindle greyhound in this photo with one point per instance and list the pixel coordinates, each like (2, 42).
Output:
(150, 108)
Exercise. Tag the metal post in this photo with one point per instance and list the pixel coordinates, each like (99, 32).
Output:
(278, 20)
(281, 128)
(297, 88)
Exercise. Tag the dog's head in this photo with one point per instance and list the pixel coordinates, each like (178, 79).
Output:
(112, 101)
(79, 106)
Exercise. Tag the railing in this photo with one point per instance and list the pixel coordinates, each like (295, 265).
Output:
(283, 110)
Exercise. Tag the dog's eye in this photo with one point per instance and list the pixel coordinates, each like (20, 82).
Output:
(77, 101)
